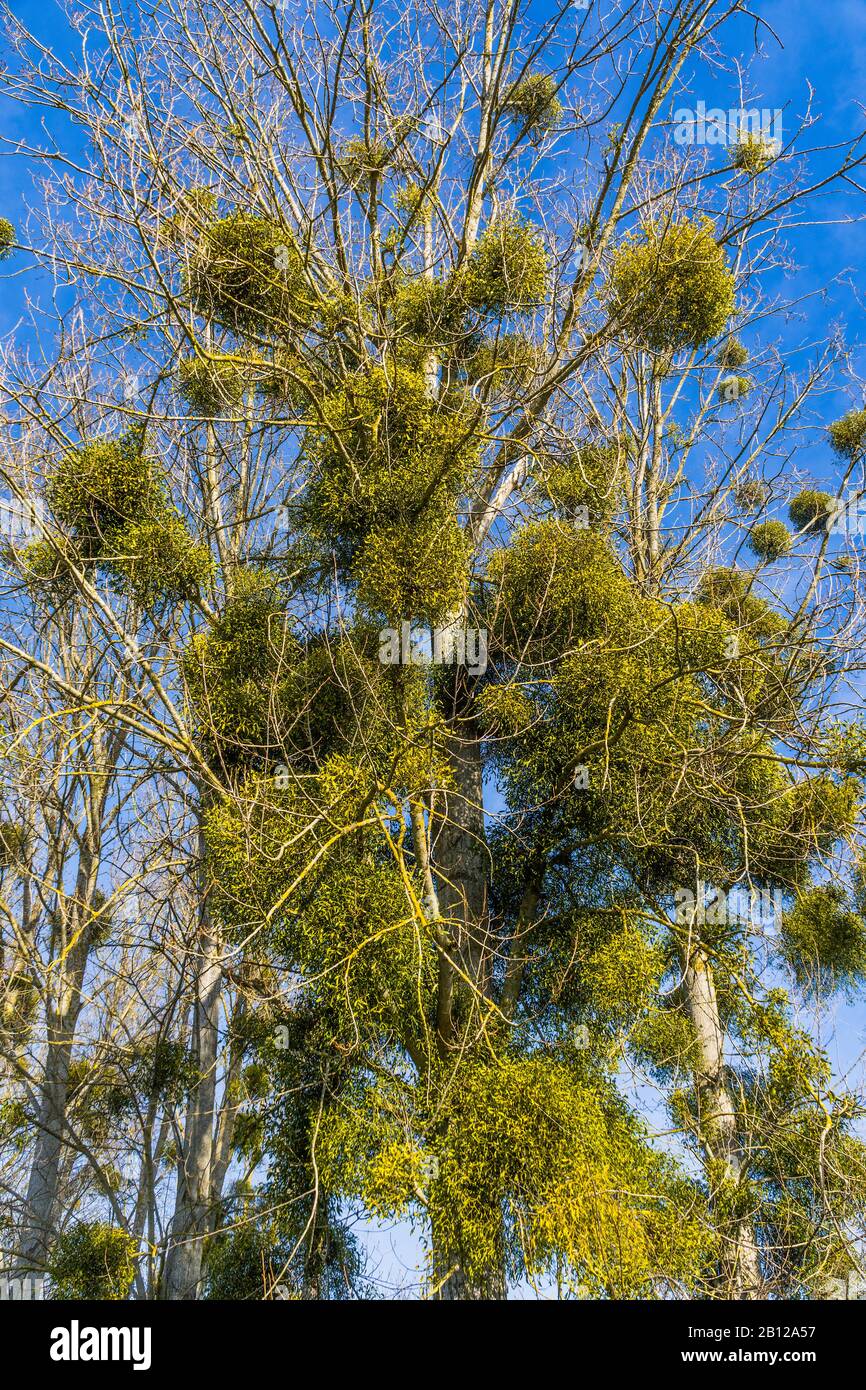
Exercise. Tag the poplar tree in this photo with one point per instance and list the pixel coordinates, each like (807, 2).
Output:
(425, 468)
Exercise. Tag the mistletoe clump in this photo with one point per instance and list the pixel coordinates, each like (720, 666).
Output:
(591, 478)
(416, 201)
(533, 104)
(211, 386)
(157, 561)
(555, 586)
(388, 465)
(664, 1040)
(810, 510)
(111, 497)
(413, 568)
(46, 564)
(101, 486)
(359, 940)
(526, 1155)
(753, 154)
(244, 1264)
(363, 160)
(770, 540)
(229, 670)
(734, 388)
(730, 591)
(197, 208)
(671, 286)
(507, 269)
(7, 238)
(384, 450)
(92, 1260)
(732, 355)
(288, 380)
(247, 273)
(428, 310)
(13, 843)
(824, 938)
(848, 435)
(505, 363)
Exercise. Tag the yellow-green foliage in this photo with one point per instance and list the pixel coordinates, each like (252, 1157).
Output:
(113, 500)
(158, 561)
(103, 485)
(599, 965)
(608, 677)
(365, 953)
(20, 1002)
(770, 540)
(623, 970)
(388, 464)
(384, 451)
(197, 208)
(362, 160)
(247, 273)
(810, 509)
(507, 269)
(730, 591)
(282, 841)
(664, 1040)
(506, 709)
(848, 435)
(799, 824)
(555, 587)
(504, 364)
(732, 355)
(533, 104)
(532, 1163)
(428, 310)
(824, 939)
(413, 569)
(13, 843)
(45, 567)
(591, 478)
(415, 201)
(734, 388)
(212, 386)
(670, 286)
(753, 154)
(7, 238)
(92, 1260)
(620, 684)
(290, 379)
(255, 846)
(229, 669)
(96, 1097)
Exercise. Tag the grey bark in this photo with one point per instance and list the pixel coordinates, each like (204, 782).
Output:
(194, 1197)
(719, 1132)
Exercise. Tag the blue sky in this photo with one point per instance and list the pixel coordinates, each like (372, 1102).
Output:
(821, 47)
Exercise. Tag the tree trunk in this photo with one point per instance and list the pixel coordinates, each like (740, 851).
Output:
(450, 1282)
(193, 1200)
(62, 1018)
(740, 1273)
(461, 864)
